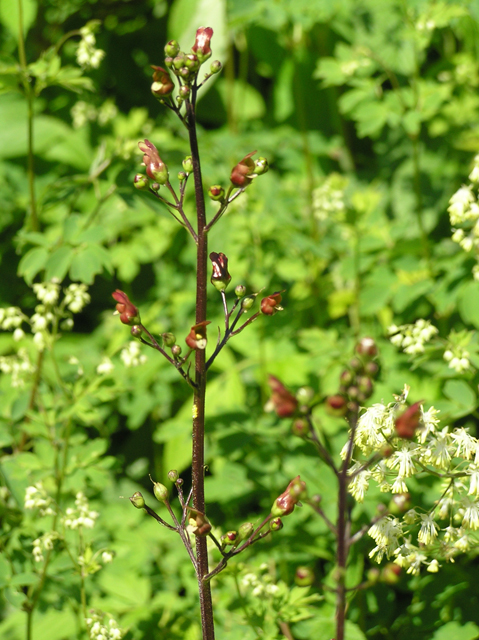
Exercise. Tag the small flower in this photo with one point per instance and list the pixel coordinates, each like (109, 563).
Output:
(196, 339)
(105, 367)
(220, 278)
(129, 314)
(156, 169)
(107, 556)
(271, 304)
(285, 503)
(428, 532)
(202, 43)
(282, 402)
(76, 297)
(244, 172)
(132, 356)
(162, 83)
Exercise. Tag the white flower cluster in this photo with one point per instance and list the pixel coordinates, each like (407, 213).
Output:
(44, 543)
(458, 359)
(464, 210)
(37, 498)
(411, 338)
(328, 199)
(83, 112)
(263, 586)
(81, 516)
(99, 631)
(11, 318)
(451, 524)
(87, 55)
(18, 366)
(132, 356)
(47, 292)
(105, 367)
(76, 297)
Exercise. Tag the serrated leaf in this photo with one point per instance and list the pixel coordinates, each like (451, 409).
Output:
(58, 263)
(32, 263)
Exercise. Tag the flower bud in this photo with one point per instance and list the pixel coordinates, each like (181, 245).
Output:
(244, 172)
(346, 378)
(248, 302)
(337, 405)
(202, 43)
(365, 387)
(240, 290)
(391, 574)
(173, 475)
(140, 182)
(300, 428)
(169, 61)
(304, 577)
(245, 530)
(200, 522)
(399, 504)
(160, 491)
(187, 164)
(184, 73)
(179, 60)
(367, 348)
(353, 392)
(136, 331)
(176, 350)
(191, 62)
(184, 92)
(215, 67)
(373, 575)
(196, 339)
(169, 339)
(282, 401)
(181, 176)
(172, 48)
(261, 166)
(356, 365)
(220, 278)
(129, 314)
(137, 500)
(156, 169)
(271, 304)
(408, 422)
(371, 369)
(229, 538)
(216, 192)
(285, 503)
(276, 524)
(305, 394)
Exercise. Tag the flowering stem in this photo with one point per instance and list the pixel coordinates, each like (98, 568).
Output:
(198, 456)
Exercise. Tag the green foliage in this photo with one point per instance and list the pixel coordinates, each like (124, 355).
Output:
(367, 112)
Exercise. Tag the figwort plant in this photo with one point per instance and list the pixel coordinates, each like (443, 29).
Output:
(186, 67)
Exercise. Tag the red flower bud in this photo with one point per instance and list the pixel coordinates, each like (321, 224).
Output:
(285, 503)
(244, 172)
(162, 83)
(202, 43)
(282, 401)
(201, 523)
(196, 339)
(409, 421)
(220, 277)
(270, 305)
(129, 314)
(156, 169)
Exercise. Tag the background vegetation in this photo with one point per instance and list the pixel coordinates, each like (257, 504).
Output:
(368, 113)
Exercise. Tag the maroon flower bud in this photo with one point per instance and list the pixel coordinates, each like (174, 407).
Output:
(172, 48)
(244, 172)
(184, 92)
(271, 304)
(156, 169)
(196, 339)
(220, 278)
(176, 350)
(140, 182)
(304, 577)
(136, 331)
(285, 503)
(230, 537)
(409, 421)
(216, 192)
(129, 314)
(337, 405)
(137, 500)
(282, 402)
(367, 348)
(300, 428)
(276, 524)
(202, 43)
(162, 83)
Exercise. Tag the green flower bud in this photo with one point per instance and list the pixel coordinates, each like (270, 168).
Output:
(191, 62)
(216, 192)
(155, 186)
(184, 92)
(215, 67)
(181, 176)
(248, 302)
(160, 491)
(169, 339)
(229, 538)
(169, 62)
(304, 577)
(172, 48)
(140, 182)
(240, 290)
(137, 500)
(173, 475)
(188, 164)
(300, 428)
(261, 166)
(176, 350)
(179, 60)
(304, 394)
(245, 530)
(276, 524)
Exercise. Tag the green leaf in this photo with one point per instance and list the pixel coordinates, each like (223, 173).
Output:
(468, 303)
(461, 395)
(10, 18)
(32, 263)
(21, 579)
(88, 262)
(58, 263)
(456, 631)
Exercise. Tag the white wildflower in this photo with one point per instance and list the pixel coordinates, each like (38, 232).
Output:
(403, 460)
(132, 356)
(105, 367)
(107, 556)
(459, 205)
(76, 297)
(428, 531)
(470, 519)
(465, 443)
(433, 566)
(359, 485)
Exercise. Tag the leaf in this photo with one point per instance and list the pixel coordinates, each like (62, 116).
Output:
(88, 262)
(32, 263)
(468, 303)
(461, 395)
(9, 16)
(456, 631)
(58, 263)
